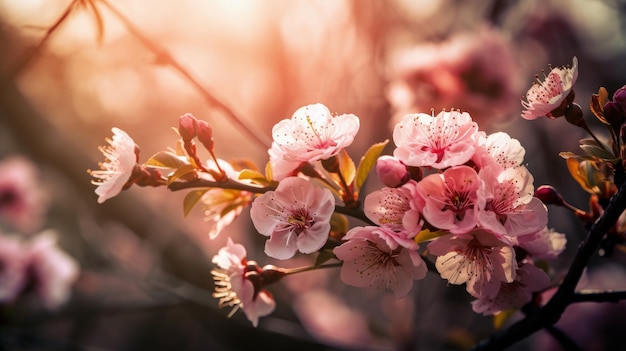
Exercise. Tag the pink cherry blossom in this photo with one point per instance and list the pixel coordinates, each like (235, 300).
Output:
(528, 279)
(480, 259)
(498, 148)
(281, 167)
(23, 203)
(369, 260)
(296, 217)
(451, 199)
(443, 141)
(55, 271)
(118, 167)
(392, 208)
(13, 268)
(510, 207)
(391, 171)
(222, 206)
(313, 134)
(234, 289)
(544, 97)
(545, 244)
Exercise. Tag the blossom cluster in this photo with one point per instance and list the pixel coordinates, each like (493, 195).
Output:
(454, 200)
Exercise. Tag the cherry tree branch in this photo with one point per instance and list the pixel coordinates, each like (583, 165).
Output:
(549, 314)
(599, 296)
(31, 55)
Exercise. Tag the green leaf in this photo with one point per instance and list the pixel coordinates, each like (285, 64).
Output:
(269, 172)
(500, 318)
(368, 161)
(191, 199)
(254, 176)
(180, 172)
(427, 235)
(596, 105)
(165, 159)
(323, 256)
(339, 223)
(346, 166)
(599, 152)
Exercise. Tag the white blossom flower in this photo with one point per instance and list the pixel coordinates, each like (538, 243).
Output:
(313, 134)
(116, 170)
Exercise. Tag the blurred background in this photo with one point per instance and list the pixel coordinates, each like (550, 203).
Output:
(72, 70)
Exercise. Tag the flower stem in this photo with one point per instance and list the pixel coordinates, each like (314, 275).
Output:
(311, 268)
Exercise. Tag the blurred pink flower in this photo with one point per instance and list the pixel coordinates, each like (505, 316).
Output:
(479, 258)
(451, 199)
(118, 167)
(475, 72)
(55, 272)
(510, 208)
(498, 148)
(545, 244)
(426, 141)
(222, 206)
(323, 314)
(296, 217)
(313, 134)
(391, 171)
(234, 289)
(513, 295)
(544, 97)
(13, 269)
(371, 260)
(23, 203)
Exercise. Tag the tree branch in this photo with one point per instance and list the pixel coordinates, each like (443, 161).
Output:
(599, 296)
(550, 313)
(164, 56)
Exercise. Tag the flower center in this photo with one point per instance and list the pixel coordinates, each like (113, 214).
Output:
(300, 220)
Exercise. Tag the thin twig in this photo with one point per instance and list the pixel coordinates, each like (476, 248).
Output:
(566, 342)
(164, 56)
(599, 296)
(31, 55)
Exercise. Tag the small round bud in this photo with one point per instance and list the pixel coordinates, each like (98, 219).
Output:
(615, 110)
(574, 115)
(549, 195)
(391, 171)
(187, 127)
(205, 134)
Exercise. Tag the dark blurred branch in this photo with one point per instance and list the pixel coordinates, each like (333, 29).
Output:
(47, 146)
(551, 313)
(599, 296)
(163, 56)
(497, 8)
(566, 342)
(31, 55)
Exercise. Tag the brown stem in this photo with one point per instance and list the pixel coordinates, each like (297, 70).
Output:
(31, 55)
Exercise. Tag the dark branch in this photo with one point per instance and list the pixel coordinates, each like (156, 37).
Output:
(550, 313)
(599, 296)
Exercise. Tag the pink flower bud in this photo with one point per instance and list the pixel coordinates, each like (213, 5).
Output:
(205, 134)
(187, 127)
(391, 171)
(549, 195)
(615, 110)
